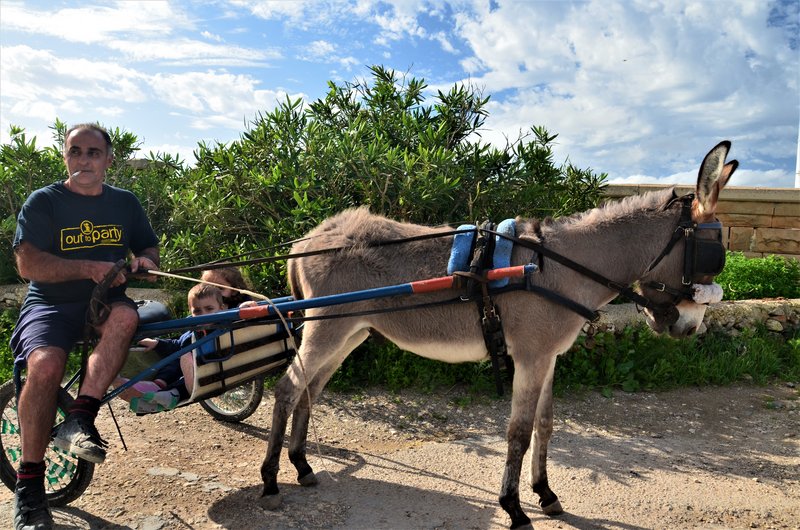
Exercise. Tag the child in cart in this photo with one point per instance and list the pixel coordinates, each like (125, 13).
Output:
(173, 383)
(231, 277)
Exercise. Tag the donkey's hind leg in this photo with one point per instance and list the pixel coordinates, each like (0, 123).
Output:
(302, 413)
(543, 430)
(322, 347)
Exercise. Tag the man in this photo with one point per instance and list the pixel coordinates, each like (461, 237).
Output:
(69, 236)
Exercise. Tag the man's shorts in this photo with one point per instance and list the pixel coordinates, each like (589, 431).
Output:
(59, 326)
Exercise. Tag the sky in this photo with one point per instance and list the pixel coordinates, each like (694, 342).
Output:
(639, 90)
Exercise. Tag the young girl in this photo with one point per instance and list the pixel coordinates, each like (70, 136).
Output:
(232, 277)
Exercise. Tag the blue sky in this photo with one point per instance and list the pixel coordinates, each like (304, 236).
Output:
(640, 90)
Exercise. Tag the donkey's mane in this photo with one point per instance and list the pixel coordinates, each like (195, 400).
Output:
(613, 211)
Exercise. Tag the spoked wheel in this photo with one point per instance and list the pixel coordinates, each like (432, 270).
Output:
(237, 404)
(66, 475)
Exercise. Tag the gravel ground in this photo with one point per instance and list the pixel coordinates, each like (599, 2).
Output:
(699, 458)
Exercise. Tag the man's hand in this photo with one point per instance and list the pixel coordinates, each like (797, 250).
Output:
(101, 268)
(147, 260)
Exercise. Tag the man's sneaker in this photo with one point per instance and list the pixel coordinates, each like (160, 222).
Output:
(78, 435)
(30, 507)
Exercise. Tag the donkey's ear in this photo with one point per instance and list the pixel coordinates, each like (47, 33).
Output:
(713, 176)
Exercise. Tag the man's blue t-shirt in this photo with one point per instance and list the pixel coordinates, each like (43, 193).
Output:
(104, 227)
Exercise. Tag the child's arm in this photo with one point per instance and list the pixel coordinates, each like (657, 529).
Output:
(148, 344)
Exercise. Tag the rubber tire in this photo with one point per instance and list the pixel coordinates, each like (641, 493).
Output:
(234, 405)
(59, 493)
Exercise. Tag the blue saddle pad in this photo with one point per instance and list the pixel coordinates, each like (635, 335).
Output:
(502, 249)
(461, 251)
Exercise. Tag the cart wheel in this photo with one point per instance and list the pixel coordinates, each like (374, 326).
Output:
(237, 404)
(66, 475)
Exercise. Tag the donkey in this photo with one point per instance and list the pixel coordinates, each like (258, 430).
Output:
(653, 239)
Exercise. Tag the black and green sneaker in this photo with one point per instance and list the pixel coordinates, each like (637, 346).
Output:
(31, 511)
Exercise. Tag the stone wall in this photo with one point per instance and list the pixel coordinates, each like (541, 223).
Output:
(758, 221)
(777, 314)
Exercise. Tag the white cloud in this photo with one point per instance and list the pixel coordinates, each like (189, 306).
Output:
(639, 86)
(327, 52)
(188, 52)
(775, 178)
(444, 41)
(215, 98)
(319, 50)
(98, 23)
(42, 76)
(210, 36)
(138, 31)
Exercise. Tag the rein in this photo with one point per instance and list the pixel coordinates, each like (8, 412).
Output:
(685, 229)
(283, 257)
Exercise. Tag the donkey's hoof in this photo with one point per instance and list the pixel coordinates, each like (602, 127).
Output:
(554, 508)
(309, 479)
(271, 502)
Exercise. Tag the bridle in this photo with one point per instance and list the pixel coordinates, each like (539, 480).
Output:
(702, 258)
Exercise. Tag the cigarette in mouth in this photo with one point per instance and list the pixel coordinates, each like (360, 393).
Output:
(76, 173)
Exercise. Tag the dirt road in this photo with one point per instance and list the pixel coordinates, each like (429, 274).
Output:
(710, 458)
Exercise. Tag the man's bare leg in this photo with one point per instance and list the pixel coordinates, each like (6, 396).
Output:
(78, 433)
(37, 402)
(111, 351)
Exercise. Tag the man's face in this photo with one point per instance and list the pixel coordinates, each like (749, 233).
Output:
(87, 158)
(204, 306)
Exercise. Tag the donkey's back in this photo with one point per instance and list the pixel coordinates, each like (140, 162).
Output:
(371, 256)
(432, 325)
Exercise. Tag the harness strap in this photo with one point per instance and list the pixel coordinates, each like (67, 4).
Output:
(553, 296)
(624, 290)
(684, 224)
(491, 326)
(495, 340)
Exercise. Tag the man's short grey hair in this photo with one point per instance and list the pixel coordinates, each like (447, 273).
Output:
(91, 127)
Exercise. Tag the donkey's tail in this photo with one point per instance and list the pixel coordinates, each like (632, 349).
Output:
(293, 276)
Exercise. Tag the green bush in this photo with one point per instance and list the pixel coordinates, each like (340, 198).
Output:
(769, 277)
(377, 143)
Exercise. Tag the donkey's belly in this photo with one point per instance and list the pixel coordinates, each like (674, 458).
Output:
(450, 351)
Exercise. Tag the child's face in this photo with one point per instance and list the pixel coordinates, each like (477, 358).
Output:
(204, 306)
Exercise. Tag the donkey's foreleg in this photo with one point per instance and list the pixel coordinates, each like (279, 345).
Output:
(302, 412)
(520, 426)
(543, 430)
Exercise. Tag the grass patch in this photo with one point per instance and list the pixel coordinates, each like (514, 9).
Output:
(640, 360)
(633, 361)
(768, 277)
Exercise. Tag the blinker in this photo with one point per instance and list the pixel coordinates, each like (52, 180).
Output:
(709, 254)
